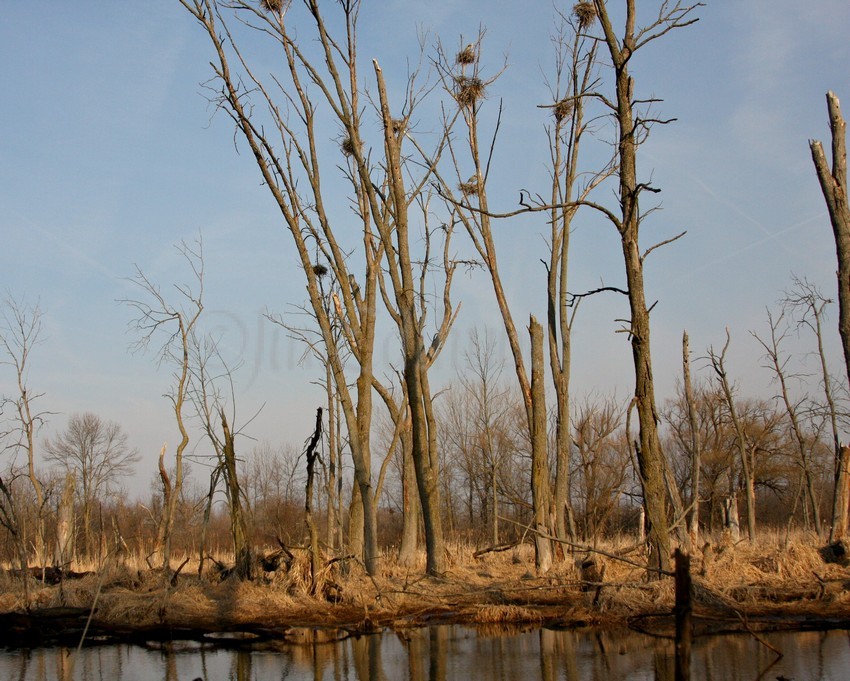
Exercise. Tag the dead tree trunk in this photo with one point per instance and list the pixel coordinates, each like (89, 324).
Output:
(696, 454)
(238, 522)
(410, 505)
(842, 496)
(540, 484)
(395, 239)
(834, 187)
(632, 129)
(64, 555)
(311, 455)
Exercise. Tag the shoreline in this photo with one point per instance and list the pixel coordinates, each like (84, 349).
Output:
(744, 587)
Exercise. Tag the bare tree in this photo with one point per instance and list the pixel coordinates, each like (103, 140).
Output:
(279, 123)
(746, 454)
(19, 334)
(96, 453)
(602, 463)
(175, 324)
(806, 302)
(476, 418)
(10, 519)
(833, 182)
(211, 400)
(288, 155)
(778, 365)
(633, 125)
(269, 478)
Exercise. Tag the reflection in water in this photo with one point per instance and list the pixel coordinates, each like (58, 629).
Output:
(445, 653)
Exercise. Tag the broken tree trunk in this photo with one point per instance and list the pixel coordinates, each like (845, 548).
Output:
(238, 522)
(311, 455)
(833, 184)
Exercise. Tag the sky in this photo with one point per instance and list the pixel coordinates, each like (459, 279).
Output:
(110, 155)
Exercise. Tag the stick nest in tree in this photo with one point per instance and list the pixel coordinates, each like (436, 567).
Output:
(348, 147)
(272, 5)
(320, 270)
(470, 186)
(564, 109)
(585, 14)
(466, 55)
(469, 90)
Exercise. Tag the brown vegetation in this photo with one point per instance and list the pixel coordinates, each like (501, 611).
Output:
(775, 582)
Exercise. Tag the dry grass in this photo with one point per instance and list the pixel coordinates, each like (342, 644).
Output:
(773, 575)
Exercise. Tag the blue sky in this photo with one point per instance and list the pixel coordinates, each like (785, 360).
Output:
(109, 155)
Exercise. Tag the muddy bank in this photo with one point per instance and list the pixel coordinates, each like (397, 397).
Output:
(253, 616)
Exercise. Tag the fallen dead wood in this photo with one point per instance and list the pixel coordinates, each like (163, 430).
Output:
(50, 575)
(495, 549)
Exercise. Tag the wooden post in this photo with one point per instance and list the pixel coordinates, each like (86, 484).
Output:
(683, 611)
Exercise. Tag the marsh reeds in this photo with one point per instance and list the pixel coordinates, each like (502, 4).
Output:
(774, 575)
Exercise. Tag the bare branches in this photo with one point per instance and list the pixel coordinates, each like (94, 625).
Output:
(662, 243)
(158, 315)
(19, 334)
(177, 322)
(575, 297)
(679, 15)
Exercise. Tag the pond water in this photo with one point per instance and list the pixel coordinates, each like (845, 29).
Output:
(445, 653)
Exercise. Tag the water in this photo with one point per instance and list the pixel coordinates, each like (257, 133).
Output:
(445, 653)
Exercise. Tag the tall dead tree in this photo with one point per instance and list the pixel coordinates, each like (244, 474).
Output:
(633, 125)
(833, 182)
(279, 117)
(540, 483)
(695, 444)
(409, 314)
(175, 323)
(284, 141)
(463, 80)
(575, 70)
